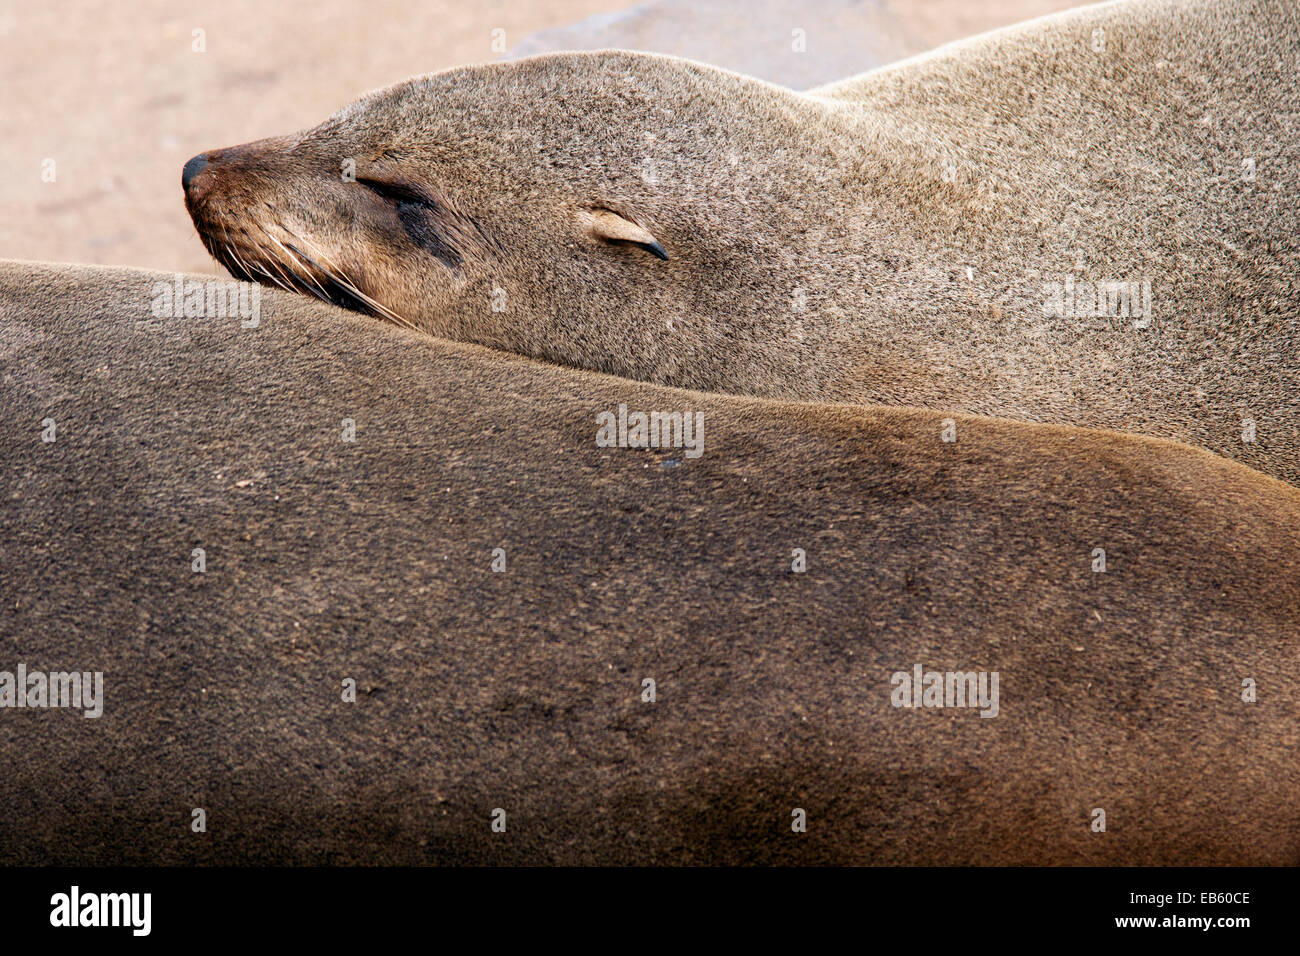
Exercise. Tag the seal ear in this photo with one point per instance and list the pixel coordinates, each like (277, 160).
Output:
(609, 226)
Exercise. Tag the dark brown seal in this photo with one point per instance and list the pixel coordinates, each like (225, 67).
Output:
(1120, 690)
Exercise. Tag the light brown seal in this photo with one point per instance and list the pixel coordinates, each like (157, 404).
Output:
(1120, 690)
(1090, 219)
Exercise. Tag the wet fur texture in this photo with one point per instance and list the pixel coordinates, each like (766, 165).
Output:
(888, 239)
(522, 690)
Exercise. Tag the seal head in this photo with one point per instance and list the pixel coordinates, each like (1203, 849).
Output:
(511, 204)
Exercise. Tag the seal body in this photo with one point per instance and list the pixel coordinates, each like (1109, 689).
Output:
(1090, 219)
(772, 589)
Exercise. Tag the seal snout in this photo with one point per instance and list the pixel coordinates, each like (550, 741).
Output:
(192, 169)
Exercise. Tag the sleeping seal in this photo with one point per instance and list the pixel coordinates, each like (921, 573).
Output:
(1089, 218)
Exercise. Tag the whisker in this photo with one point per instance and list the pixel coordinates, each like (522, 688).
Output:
(304, 272)
(291, 275)
(262, 269)
(242, 264)
(277, 264)
(336, 275)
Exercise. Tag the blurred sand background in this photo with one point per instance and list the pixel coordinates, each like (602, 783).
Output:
(117, 97)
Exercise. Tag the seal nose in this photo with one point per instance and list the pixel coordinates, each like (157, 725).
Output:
(192, 169)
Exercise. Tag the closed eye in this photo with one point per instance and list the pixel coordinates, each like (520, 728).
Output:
(429, 223)
(398, 193)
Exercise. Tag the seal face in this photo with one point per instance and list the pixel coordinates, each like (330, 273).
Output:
(507, 205)
(270, 212)
(1035, 224)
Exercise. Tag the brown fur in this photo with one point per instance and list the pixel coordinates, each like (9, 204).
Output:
(521, 690)
(887, 239)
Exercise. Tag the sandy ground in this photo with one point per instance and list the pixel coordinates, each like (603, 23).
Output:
(799, 45)
(103, 102)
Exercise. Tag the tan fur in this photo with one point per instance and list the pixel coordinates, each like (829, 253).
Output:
(888, 239)
(522, 690)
